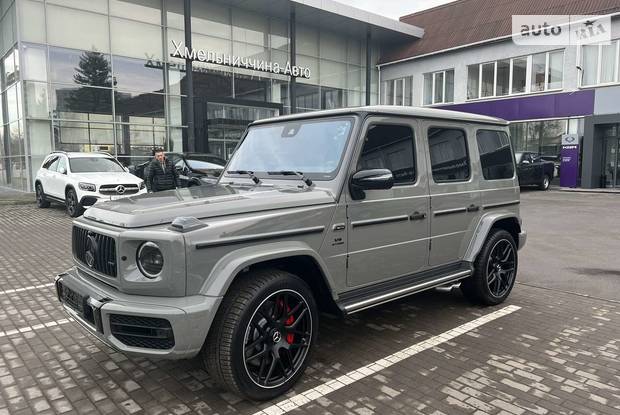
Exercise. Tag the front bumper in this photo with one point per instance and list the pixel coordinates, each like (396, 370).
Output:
(522, 239)
(89, 199)
(175, 328)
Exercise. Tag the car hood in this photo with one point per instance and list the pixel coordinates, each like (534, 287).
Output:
(202, 202)
(107, 178)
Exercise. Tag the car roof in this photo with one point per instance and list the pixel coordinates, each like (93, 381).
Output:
(417, 112)
(76, 154)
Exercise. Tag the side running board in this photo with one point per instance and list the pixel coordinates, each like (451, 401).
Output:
(370, 296)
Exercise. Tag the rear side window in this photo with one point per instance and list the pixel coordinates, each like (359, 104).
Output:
(54, 165)
(495, 154)
(389, 147)
(49, 162)
(448, 151)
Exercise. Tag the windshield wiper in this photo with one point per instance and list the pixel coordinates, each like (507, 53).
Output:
(248, 173)
(299, 174)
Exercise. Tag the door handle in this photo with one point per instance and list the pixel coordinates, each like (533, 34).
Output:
(473, 208)
(417, 216)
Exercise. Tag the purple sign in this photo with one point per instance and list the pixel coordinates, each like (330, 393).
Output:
(569, 104)
(569, 164)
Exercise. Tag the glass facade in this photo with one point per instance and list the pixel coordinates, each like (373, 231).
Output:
(543, 137)
(97, 76)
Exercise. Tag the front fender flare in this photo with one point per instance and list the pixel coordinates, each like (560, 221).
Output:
(231, 264)
(482, 231)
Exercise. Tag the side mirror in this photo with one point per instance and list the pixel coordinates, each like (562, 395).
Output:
(131, 169)
(62, 170)
(372, 179)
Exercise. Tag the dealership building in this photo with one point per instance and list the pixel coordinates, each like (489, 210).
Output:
(100, 75)
(111, 75)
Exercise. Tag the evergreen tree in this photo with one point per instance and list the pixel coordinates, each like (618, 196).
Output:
(93, 70)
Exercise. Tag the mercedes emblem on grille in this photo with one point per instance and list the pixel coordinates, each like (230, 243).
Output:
(120, 189)
(91, 249)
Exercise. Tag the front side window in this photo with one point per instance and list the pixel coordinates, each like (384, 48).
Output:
(313, 147)
(449, 157)
(495, 154)
(389, 147)
(94, 165)
(62, 165)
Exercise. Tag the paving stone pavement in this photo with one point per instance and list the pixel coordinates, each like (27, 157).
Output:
(557, 354)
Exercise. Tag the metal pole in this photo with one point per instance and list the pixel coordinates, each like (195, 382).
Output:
(189, 81)
(368, 70)
(293, 61)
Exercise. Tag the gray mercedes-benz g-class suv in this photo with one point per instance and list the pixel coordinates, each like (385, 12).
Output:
(335, 210)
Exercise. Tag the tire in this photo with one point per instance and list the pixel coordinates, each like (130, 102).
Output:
(251, 328)
(42, 202)
(495, 270)
(74, 208)
(546, 182)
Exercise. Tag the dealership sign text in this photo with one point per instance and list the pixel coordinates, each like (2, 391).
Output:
(202, 55)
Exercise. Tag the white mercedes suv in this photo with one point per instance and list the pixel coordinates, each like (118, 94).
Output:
(79, 180)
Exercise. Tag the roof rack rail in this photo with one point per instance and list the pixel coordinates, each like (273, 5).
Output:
(59, 151)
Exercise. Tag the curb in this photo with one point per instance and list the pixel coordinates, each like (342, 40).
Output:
(578, 190)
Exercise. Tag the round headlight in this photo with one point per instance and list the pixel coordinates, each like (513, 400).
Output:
(150, 259)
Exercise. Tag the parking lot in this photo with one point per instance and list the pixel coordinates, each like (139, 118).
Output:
(552, 348)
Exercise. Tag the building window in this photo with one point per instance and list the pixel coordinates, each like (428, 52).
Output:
(599, 64)
(439, 87)
(448, 151)
(495, 154)
(397, 91)
(534, 73)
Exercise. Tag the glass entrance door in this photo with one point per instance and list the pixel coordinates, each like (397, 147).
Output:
(227, 122)
(611, 167)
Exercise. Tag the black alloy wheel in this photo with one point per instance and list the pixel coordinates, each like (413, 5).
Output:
(74, 209)
(495, 270)
(501, 268)
(261, 339)
(277, 339)
(40, 195)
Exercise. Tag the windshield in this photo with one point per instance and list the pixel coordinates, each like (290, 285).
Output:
(94, 165)
(313, 147)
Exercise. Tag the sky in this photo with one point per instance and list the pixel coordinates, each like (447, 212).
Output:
(394, 8)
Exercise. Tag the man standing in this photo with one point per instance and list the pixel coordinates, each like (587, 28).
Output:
(161, 173)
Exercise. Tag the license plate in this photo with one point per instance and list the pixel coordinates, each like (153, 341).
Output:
(73, 299)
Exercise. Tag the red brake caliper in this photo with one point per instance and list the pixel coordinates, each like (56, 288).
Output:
(290, 338)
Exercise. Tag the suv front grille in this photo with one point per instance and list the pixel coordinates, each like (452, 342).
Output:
(118, 189)
(147, 332)
(96, 251)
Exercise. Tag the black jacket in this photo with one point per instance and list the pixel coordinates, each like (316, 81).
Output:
(159, 179)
